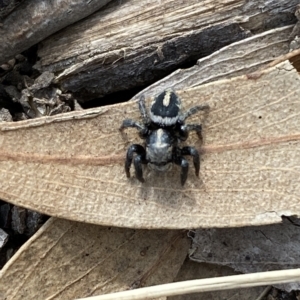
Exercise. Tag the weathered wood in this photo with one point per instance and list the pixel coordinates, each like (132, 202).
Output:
(6, 7)
(236, 59)
(133, 43)
(33, 21)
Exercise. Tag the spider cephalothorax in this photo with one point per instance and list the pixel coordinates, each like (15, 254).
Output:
(163, 129)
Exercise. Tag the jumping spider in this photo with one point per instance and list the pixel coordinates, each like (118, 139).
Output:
(163, 129)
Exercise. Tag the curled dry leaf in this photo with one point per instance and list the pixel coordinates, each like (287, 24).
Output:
(71, 166)
(68, 260)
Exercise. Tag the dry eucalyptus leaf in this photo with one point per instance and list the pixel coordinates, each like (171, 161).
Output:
(251, 249)
(72, 165)
(68, 260)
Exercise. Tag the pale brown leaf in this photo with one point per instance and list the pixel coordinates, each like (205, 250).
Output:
(68, 260)
(72, 165)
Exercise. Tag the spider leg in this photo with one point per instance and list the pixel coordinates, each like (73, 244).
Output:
(192, 111)
(184, 170)
(143, 111)
(181, 161)
(139, 159)
(185, 128)
(184, 131)
(131, 123)
(196, 157)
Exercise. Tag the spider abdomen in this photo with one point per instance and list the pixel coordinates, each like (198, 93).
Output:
(159, 149)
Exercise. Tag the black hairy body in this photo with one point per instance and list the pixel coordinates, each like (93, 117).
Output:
(163, 129)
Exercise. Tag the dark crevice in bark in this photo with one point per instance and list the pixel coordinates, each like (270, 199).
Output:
(143, 69)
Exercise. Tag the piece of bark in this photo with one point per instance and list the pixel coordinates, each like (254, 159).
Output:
(7, 6)
(34, 220)
(18, 223)
(44, 99)
(72, 165)
(296, 30)
(149, 39)
(68, 260)
(5, 115)
(5, 215)
(3, 238)
(236, 59)
(32, 21)
(251, 249)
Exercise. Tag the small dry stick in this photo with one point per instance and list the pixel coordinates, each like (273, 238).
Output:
(282, 58)
(264, 293)
(205, 285)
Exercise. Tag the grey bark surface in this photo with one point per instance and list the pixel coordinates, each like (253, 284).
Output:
(6, 7)
(194, 270)
(33, 21)
(132, 43)
(251, 249)
(3, 238)
(236, 59)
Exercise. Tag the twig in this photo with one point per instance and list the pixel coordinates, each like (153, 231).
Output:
(283, 58)
(264, 293)
(205, 285)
